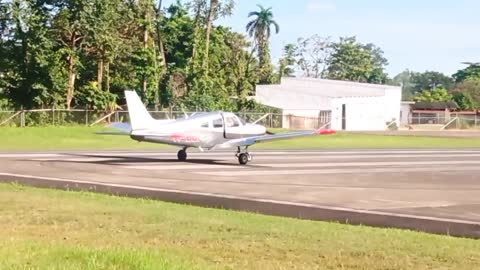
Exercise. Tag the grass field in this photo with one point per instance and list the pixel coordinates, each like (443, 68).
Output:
(74, 138)
(51, 229)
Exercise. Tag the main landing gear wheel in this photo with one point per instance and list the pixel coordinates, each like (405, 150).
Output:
(243, 158)
(182, 155)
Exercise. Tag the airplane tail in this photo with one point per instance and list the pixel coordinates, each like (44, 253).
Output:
(139, 116)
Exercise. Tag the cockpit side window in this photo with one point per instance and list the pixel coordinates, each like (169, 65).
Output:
(218, 123)
(231, 122)
(204, 125)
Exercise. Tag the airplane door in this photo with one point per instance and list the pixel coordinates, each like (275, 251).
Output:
(231, 127)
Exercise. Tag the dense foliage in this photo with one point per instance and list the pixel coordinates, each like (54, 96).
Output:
(85, 53)
(463, 87)
(346, 59)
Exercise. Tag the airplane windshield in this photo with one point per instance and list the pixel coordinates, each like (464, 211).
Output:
(241, 120)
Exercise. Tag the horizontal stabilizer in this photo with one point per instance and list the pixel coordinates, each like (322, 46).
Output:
(112, 133)
(123, 129)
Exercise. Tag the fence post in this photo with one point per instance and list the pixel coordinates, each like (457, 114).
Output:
(22, 118)
(53, 116)
(86, 117)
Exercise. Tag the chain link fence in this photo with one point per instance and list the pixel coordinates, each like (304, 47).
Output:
(75, 117)
(60, 117)
(444, 121)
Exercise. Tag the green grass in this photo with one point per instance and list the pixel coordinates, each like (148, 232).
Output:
(51, 229)
(75, 138)
(63, 138)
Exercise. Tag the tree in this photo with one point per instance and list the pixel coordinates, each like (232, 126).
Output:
(430, 80)
(211, 13)
(467, 94)
(379, 62)
(260, 30)
(31, 50)
(311, 55)
(288, 61)
(158, 19)
(435, 95)
(85, 53)
(216, 8)
(470, 72)
(415, 82)
(353, 61)
(404, 79)
(70, 32)
(5, 52)
(103, 40)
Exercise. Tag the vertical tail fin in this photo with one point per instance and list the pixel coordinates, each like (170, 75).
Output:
(139, 116)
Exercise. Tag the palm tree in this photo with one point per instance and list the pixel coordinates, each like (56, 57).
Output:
(259, 29)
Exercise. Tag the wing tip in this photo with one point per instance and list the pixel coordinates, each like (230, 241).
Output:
(324, 131)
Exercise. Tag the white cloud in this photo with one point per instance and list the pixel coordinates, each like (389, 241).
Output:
(321, 6)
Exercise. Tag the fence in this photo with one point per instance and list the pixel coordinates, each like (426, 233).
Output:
(444, 120)
(61, 117)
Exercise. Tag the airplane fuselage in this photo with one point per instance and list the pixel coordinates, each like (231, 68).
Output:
(205, 130)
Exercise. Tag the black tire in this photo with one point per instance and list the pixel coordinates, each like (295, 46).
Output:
(243, 158)
(182, 155)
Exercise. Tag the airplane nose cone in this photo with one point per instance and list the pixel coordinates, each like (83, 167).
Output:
(262, 129)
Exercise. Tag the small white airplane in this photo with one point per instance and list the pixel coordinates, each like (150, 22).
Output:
(205, 131)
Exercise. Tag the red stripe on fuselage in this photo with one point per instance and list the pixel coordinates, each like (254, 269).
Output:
(184, 138)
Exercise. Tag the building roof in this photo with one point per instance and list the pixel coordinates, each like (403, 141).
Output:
(329, 88)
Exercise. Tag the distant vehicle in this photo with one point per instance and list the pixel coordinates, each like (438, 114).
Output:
(205, 131)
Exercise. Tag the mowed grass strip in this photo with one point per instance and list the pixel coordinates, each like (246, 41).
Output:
(52, 229)
(78, 138)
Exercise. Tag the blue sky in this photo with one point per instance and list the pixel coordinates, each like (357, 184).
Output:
(418, 35)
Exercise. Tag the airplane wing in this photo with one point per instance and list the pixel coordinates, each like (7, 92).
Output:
(281, 136)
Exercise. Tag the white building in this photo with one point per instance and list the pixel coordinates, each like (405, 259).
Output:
(343, 105)
(406, 112)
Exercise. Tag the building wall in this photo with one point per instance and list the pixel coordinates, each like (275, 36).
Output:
(366, 113)
(405, 115)
(361, 113)
(291, 101)
(393, 100)
(368, 107)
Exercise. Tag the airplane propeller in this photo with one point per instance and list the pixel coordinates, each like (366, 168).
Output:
(260, 119)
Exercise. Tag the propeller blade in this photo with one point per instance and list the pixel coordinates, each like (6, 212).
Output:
(261, 118)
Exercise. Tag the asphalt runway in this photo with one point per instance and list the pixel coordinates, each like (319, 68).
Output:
(430, 190)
